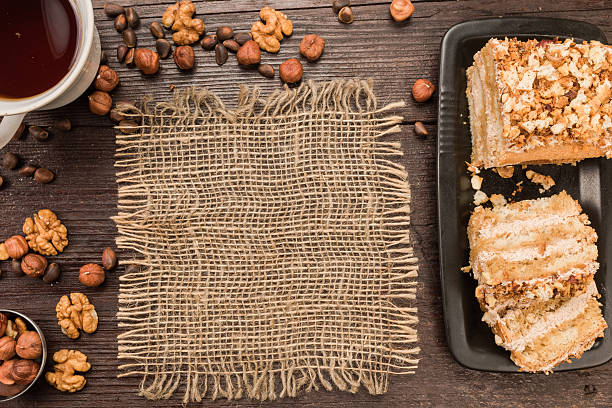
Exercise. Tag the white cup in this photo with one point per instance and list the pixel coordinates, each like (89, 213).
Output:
(75, 82)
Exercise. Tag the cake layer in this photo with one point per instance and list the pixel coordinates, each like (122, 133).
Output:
(545, 102)
(516, 327)
(516, 293)
(530, 239)
(569, 340)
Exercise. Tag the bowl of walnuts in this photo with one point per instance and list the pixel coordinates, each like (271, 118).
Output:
(23, 353)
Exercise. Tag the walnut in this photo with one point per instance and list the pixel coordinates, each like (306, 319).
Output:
(179, 17)
(269, 34)
(45, 233)
(64, 378)
(76, 313)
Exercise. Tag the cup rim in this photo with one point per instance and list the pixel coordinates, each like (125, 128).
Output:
(43, 357)
(84, 14)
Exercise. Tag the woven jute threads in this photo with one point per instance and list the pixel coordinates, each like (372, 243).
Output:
(274, 244)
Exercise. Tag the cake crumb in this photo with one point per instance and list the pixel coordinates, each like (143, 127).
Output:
(466, 269)
(545, 181)
(480, 197)
(498, 200)
(476, 182)
(505, 172)
(472, 169)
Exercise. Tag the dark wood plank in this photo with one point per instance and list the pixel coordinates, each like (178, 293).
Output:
(394, 55)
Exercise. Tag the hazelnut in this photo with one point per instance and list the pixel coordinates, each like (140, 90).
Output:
(91, 275)
(337, 5)
(345, 15)
(34, 265)
(146, 60)
(7, 348)
(422, 90)
(249, 53)
(100, 103)
(29, 345)
(107, 79)
(6, 370)
(109, 259)
(401, 9)
(291, 71)
(312, 47)
(16, 246)
(184, 57)
(3, 323)
(24, 371)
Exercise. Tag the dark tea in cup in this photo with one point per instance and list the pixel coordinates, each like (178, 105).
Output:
(40, 41)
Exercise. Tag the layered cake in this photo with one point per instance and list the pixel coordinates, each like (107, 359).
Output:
(540, 102)
(535, 261)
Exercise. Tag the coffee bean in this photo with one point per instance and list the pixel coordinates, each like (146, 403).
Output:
(16, 267)
(241, 38)
(52, 273)
(39, 133)
(224, 33)
(19, 132)
(27, 170)
(103, 58)
(121, 23)
(62, 124)
(157, 30)
(184, 57)
(10, 160)
(132, 17)
(420, 130)
(113, 10)
(209, 42)
(163, 48)
(109, 259)
(266, 70)
(129, 57)
(337, 5)
(129, 38)
(220, 54)
(122, 49)
(43, 175)
(231, 45)
(128, 127)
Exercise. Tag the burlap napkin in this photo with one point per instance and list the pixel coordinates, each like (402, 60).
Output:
(273, 241)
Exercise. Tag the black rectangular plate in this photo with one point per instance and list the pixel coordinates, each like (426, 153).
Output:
(469, 339)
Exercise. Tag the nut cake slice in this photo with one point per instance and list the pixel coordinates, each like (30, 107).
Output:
(535, 261)
(540, 102)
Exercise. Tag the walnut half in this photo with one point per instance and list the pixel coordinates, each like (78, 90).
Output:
(45, 233)
(64, 377)
(269, 34)
(76, 313)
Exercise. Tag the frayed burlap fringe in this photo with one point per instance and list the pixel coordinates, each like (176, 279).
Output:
(274, 243)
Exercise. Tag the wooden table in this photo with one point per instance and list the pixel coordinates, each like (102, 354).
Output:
(394, 55)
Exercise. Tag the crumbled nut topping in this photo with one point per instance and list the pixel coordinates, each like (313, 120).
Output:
(554, 92)
(545, 181)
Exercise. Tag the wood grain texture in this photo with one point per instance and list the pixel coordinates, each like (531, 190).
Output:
(394, 55)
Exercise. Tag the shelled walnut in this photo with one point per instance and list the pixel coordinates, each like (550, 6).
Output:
(64, 377)
(269, 32)
(179, 17)
(75, 313)
(45, 233)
